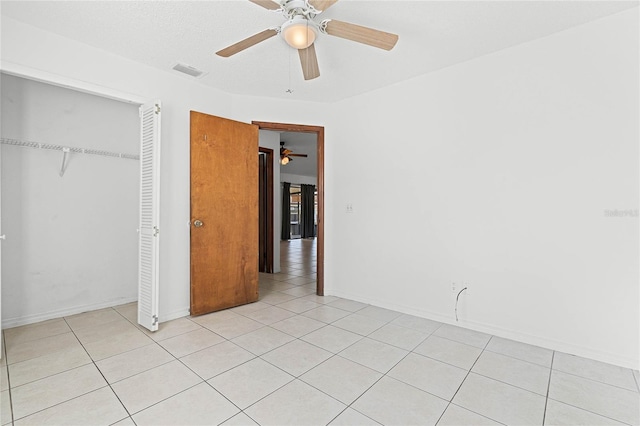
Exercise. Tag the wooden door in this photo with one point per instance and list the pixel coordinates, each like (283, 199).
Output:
(224, 213)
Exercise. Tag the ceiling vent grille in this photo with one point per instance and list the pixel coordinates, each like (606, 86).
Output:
(189, 70)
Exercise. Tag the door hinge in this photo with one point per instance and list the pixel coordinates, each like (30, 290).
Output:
(157, 109)
(155, 320)
(156, 231)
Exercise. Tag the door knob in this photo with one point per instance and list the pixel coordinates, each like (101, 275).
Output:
(197, 223)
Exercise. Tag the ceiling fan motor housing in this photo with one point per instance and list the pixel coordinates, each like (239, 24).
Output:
(299, 32)
(298, 7)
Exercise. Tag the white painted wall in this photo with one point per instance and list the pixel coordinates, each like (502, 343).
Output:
(298, 179)
(502, 170)
(43, 55)
(71, 241)
(271, 140)
(507, 161)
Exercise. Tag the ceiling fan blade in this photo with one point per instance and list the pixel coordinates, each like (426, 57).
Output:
(309, 62)
(361, 34)
(322, 5)
(298, 155)
(267, 4)
(247, 42)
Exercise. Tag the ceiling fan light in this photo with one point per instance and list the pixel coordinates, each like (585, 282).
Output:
(284, 161)
(299, 33)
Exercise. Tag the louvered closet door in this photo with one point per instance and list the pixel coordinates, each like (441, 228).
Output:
(2, 237)
(149, 215)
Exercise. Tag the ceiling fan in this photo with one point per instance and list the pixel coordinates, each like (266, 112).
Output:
(286, 154)
(301, 30)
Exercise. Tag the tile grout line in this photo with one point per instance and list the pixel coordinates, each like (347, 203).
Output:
(636, 380)
(350, 407)
(532, 363)
(519, 359)
(174, 359)
(294, 377)
(333, 355)
(205, 381)
(591, 412)
(6, 361)
(463, 380)
(546, 400)
(64, 371)
(409, 352)
(596, 381)
(97, 368)
(236, 366)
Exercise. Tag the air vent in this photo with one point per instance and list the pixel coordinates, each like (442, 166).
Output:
(189, 70)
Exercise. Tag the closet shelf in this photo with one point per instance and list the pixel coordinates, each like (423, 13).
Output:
(66, 149)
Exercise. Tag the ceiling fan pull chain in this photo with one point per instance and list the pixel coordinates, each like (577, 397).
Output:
(290, 90)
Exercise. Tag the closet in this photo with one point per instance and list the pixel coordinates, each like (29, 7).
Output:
(70, 201)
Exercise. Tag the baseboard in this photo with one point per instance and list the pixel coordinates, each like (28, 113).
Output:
(59, 313)
(174, 315)
(31, 319)
(586, 352)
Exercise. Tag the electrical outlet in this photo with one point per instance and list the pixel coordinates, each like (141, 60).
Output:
(453, 287)
(349, 208)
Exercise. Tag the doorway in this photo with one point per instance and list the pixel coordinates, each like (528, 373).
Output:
(319, 132)
(295, 199)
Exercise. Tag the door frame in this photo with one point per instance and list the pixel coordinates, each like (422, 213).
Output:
(269, 197)
(319, 131)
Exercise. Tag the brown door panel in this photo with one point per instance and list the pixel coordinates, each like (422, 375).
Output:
(224, 198)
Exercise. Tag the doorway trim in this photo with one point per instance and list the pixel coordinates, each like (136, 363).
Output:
(319, 131)
(269, 196)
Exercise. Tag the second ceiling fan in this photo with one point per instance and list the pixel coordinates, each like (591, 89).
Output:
(286, 154)
(301, 30)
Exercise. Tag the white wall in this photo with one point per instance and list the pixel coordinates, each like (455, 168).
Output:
(271, 140)
(508, 162)
(42, 55)
(502, 170)
(71, 241)
(38, 54)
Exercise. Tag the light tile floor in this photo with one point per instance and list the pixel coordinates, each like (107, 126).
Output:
(294, 358)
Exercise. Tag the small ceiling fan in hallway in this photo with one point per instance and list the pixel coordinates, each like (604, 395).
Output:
(301, 30)
(286, 154)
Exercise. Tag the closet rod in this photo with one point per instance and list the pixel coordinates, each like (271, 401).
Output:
(16, 142)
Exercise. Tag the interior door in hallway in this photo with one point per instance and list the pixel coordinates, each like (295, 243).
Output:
(224, 213)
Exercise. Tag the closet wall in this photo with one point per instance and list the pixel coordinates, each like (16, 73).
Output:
(71, 241)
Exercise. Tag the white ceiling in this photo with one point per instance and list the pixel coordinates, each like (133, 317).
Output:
(433, 35)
